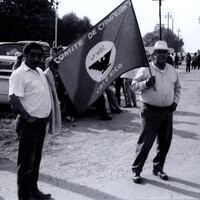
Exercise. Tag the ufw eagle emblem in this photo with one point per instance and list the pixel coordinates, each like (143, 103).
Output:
(103, 64)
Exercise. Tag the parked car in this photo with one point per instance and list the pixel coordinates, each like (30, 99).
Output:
(10, 48)
(6, 64)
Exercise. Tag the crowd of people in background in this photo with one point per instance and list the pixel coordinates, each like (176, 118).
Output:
(111, 100)
(192, 60)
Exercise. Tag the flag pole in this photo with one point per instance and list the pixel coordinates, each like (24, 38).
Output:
(56, 23)
(150, 72)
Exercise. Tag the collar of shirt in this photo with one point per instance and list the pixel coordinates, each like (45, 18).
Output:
(157, 69)
(26, 68)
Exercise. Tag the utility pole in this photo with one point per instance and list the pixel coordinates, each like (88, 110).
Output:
(56, 23)
(160, 4)
(168, 16)
(167, 27)
(178, 32)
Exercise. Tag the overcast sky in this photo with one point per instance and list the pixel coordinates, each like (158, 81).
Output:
(185, 13)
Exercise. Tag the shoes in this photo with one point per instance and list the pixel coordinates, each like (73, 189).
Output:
(136, 178)
(106, 118)
(160, 174)
(70, 119)
(127, 106)
(120, 111)
(116, 111)
(134, 105)
(41, 195)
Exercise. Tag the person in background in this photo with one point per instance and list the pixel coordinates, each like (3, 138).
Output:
(176, 59)
(33, 97)
(60, 49)
(68, 111)
(119, 84)
(100, 106)
(160, 94)
(150, 57)
(194, 61)
(198, 60)
(130, 94)
(188, 62)
(19, 60)
(173, 58)
(170, 60)
(53, 53)
(112, 100)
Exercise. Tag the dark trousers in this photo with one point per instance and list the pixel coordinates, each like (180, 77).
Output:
(100, 105)
(155, 122)
(130, 94)
(29, 156)
(118, 85)
(112, 100)
(176, 64)
(188, 67)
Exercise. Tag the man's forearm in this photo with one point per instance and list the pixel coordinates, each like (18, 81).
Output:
(18, 107)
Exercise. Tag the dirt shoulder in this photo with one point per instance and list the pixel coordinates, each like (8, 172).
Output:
(91, 159)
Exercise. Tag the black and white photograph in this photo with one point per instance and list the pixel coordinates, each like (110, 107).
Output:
(99, 100)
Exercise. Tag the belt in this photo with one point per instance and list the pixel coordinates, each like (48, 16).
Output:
(43, 119)
(19, 118)
(156, 107)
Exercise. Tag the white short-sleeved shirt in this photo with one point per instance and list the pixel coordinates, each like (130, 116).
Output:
(32, 88)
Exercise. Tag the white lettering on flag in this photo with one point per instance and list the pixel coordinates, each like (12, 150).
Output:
(112, 47)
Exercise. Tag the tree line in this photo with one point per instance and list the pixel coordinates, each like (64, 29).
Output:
(35, 20)
(172, 39)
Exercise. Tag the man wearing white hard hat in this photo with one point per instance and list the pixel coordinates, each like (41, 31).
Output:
(160, 93)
